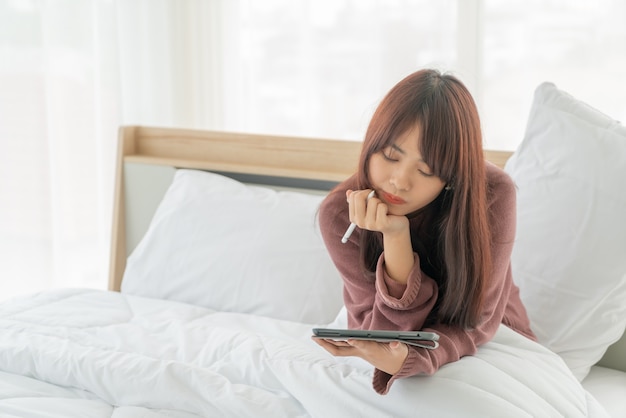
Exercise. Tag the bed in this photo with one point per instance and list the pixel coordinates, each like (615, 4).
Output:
(218, 274)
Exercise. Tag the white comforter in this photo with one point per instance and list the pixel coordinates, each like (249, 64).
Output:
(86, 353)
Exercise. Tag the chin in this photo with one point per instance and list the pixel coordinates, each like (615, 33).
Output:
(399, 211)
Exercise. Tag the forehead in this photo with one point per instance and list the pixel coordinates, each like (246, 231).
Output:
(408, 142)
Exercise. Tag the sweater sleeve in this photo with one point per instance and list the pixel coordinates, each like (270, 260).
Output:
(456, 342)
(373, 304)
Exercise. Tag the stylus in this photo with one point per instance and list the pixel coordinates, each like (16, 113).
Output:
(352, 226)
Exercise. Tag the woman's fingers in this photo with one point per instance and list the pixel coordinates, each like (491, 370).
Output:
(362, 207)
(387, 357)
(351, 347)
(361, 204)
(337, 348)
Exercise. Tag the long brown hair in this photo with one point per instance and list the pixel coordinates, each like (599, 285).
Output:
(451, 145)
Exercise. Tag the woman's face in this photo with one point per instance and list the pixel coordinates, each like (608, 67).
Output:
(400, 176)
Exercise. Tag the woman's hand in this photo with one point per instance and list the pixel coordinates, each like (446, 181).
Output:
(373, 214)
(388, 357)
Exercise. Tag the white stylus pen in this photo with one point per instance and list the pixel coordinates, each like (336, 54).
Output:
(352, 226)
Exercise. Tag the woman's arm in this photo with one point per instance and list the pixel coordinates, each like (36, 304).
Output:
(383, 303)
(399, 256)
(454, 341)
(368, 212)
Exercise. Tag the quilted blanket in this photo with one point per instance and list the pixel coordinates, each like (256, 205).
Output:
(90, 353)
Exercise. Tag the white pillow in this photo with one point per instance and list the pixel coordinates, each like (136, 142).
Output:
(228, 246)
(569, 258)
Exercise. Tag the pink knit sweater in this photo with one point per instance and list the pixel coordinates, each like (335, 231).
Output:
(385, 304)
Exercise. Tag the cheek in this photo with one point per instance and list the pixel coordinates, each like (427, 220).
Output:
(432, 190)
(426, 192)
(377, 171)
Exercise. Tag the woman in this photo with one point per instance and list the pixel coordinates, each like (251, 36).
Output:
(433, 244)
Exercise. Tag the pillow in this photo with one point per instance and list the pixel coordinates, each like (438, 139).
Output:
(221, 244)
(569, 258)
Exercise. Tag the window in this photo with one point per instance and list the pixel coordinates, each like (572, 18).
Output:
(319, 68)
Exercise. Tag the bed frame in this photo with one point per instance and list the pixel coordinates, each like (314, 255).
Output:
(149, 156)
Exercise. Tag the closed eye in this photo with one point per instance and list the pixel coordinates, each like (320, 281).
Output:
(388, 157)
(388, 154)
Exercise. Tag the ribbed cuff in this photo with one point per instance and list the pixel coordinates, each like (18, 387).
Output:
(397, 295)
(382, 381)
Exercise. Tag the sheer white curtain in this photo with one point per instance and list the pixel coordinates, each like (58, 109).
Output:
(170, 57)
(59, 107)
(72, 71)
(578, 45)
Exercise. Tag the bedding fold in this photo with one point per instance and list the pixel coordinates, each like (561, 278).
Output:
(115, 355)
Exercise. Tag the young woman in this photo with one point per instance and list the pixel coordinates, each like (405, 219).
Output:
(433, 244)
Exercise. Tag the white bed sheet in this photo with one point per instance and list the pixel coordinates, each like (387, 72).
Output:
(608, 386)
(94, 353)
(26, 397)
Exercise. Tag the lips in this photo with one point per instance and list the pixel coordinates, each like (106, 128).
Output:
(392, 199)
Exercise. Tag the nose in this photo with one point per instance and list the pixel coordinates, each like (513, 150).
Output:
(400, 179)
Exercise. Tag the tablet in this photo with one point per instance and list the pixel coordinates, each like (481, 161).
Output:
(415, 338)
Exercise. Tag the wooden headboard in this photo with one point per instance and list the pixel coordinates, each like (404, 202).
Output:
(267, 155)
